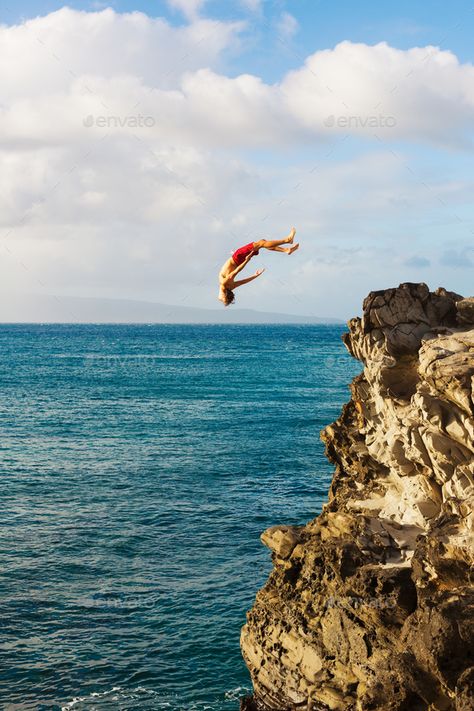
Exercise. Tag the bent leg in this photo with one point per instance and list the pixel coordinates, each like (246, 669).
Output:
(274, 243)
(287, 250)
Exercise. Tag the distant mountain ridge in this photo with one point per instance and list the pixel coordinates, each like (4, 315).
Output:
(54, 309)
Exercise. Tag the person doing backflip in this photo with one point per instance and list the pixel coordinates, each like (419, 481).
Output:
(241, 257)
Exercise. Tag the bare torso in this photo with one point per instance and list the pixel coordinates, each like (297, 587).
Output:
(226, 269)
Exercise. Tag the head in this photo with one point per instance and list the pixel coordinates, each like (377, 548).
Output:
(226, 296)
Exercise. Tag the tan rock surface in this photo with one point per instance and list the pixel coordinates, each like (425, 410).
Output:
(371, 605)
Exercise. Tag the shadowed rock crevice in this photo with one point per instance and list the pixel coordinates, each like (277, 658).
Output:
(371, 604)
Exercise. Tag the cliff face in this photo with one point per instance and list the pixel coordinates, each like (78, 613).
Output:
(371, 604)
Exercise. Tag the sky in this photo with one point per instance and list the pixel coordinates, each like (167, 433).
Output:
(143, 142)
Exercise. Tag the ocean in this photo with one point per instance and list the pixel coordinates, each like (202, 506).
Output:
(139, 465)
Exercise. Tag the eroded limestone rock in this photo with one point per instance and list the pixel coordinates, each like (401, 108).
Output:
(370, 606)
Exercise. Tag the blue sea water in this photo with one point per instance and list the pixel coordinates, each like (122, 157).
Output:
(139, 465)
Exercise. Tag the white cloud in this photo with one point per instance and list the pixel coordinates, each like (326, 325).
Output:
(47, 56)
(151, 211)
(420, 94)
(57, 70)
(189, 8)
(287, 25)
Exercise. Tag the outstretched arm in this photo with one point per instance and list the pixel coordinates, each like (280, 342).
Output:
(238, 269)
(251, 278)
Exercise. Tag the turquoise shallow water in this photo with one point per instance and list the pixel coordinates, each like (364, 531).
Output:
(139, 465)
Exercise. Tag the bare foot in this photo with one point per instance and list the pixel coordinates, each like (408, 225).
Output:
(291, 236)
(290, 250)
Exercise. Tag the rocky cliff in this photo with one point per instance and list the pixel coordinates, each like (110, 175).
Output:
(371, 604)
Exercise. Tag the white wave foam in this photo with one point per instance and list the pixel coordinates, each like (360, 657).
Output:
(119, 698)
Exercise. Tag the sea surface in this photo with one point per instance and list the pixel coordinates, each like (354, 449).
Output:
(139, 465)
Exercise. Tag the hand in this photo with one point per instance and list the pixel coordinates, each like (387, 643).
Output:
(259, 271)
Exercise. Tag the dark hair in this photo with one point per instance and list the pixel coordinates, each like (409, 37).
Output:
(229, 296)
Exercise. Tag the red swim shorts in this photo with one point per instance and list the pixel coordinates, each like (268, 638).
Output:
(242, 253)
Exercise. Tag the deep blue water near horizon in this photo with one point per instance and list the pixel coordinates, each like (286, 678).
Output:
(139, 465)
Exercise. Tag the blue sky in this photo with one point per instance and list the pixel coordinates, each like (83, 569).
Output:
(373, 207)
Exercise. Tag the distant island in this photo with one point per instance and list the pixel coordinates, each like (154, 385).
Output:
(54, 309)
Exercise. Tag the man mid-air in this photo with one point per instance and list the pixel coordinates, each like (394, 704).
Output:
(241, 257)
